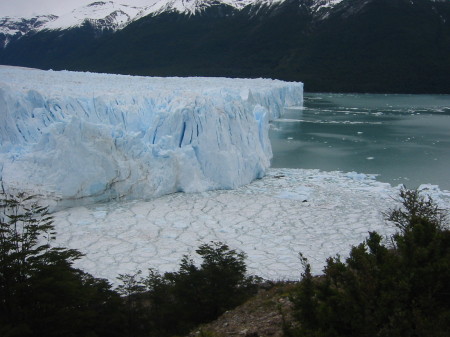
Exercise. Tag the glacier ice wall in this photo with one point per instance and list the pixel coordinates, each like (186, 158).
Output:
(77, 138)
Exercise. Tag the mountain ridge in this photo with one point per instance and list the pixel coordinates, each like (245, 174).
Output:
(103, 10)
(400, 46)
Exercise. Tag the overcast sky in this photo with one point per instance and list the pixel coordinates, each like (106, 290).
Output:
(26, 8)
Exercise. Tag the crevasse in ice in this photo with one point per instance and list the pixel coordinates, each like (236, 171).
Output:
(77, 138)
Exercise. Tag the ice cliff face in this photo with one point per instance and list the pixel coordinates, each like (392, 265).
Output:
(77, 138)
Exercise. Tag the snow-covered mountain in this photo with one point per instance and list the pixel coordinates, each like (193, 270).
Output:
(331, 45)
(192, 7)
(113, 15)
(102, 15)
(17, 27)
(13, 25)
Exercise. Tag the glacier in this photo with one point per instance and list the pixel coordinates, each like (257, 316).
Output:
(78, 138)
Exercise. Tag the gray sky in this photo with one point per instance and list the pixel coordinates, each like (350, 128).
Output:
(27, 8)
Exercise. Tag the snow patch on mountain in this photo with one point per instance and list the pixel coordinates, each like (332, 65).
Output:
(17, 27)
(112, 15)
(78, 138)
(319, 4)
(191, 7)
(100, 14)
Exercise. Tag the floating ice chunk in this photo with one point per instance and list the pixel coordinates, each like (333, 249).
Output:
(301, 193)
(359, 176)
(435, 193)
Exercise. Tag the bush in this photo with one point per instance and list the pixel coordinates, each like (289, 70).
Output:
(179, 301)
(402, 289)
(41, 294)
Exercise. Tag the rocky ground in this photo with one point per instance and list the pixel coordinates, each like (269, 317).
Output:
(264, 315)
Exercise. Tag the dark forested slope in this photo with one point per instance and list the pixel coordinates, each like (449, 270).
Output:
(355, 46)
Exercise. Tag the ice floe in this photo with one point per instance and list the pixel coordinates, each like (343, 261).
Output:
(272, 219)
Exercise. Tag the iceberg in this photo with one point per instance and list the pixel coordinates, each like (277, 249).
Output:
(78, 138)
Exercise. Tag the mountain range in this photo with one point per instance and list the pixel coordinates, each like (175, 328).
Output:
(390, 46)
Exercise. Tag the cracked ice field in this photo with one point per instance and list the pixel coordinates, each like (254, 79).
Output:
(272, 219)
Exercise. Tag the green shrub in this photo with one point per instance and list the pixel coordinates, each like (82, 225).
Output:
(179, 301)
(41, 294)
(401, 289)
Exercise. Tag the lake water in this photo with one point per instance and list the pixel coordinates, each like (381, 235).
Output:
(405, 139)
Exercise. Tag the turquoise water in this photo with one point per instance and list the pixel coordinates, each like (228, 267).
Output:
(404, 139)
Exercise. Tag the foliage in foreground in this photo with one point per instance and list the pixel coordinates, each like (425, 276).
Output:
(174, 303)
(40, 292)
(398, 290)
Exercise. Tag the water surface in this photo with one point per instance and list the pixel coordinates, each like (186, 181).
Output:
(405, 139)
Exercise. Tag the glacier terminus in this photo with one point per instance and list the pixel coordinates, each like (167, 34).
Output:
(79, 138)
